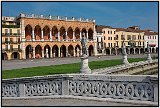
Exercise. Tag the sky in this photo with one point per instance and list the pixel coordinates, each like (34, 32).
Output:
(114, 14)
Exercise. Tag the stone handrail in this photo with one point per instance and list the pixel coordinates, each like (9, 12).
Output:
(56, 18)
(118, 68)
(131, 87)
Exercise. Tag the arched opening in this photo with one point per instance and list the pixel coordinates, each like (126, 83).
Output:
(157, 50)
(28, 32)
(54, 33)
(62, 33)
(77, 33)
(4, 56)
(29, 52)
(113, 51)
(137, 51)
(78, 50)
(55, 51)
(15, 55)
(131, 51)
(107, 51)
(90, 34)
(84, 32)
(152, 49)
(70, 33)
(46, 33)
(142, 51)
(91, 51)
(37, 32)
(47, 50)
(38, 51)
(63, 51)
(70, 51)
(119, 51)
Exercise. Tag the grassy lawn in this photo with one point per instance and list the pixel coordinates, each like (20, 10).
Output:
(61, 69)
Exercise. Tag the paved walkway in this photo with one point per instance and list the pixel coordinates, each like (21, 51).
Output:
(72, 101)
(18, 64)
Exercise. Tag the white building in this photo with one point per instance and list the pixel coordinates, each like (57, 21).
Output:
(152, 38)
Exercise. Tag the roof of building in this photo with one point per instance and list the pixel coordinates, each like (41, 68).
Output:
(150, 33)
(100, 27)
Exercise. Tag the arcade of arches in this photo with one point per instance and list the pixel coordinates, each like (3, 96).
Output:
(38, 33)
(55, 51)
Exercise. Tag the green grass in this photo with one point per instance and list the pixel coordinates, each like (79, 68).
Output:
(61, 69)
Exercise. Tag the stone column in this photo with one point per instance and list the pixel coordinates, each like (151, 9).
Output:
(139, 51)
(24, 53)
(155, 50)
(42, 36)
(110, 51)
(74, 36)
(74, 53)
(80, 35)
(47, 55)
(42, 53)
(51, 56)
(66, 52)
(128, 50)
(59, 52)
(33, 36)
(87, 35)
(116, 51)
(66, 36)
(50, 35)
(95, 48)
(134, 50)
(58, 35)
(33, 52)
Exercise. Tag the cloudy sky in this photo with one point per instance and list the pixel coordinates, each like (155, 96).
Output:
(115, 14)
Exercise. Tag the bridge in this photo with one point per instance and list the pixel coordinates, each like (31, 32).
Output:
(80, 90)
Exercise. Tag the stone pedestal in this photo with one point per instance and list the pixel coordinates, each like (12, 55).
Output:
(84, 65)
(149, 59)
(125, 60)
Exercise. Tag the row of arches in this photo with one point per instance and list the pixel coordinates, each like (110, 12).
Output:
(46, 33)
(115, 51)
(55, 51)
(14, 55)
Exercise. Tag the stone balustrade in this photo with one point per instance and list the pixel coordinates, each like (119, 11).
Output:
(131, 87)
(57, 18)
(121, 68)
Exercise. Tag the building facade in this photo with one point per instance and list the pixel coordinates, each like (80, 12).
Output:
(11, 39)
(152, 38)
(48, 37)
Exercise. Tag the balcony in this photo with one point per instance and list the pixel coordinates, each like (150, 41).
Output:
(11, 34)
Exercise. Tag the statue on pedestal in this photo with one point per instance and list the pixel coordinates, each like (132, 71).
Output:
(84, 47)
(148, 53)
(84, 59)
(124, 53)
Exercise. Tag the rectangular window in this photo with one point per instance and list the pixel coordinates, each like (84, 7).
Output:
(104, 38)
(108, 38)
(134, 37)
(104, 44)
(108, 32)
(11, 40)
(111, 32)
(108, 44)
(10, 31)
(11, 47)
(114, 32)
(122, 37)
(114, 44)
(116, 37)
(128, 37)
(6, 40)
(111, 38)
(155, 37)
(117, 43)
(6, 31)
(111, 44)
(6, 47)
